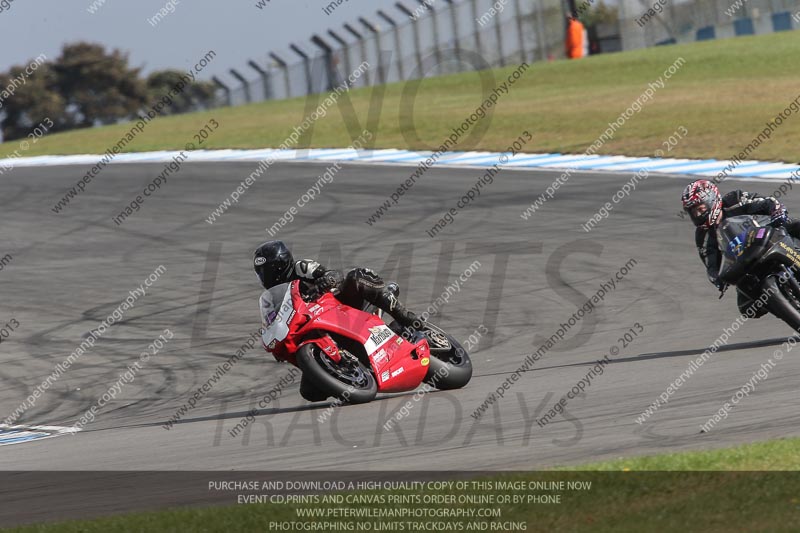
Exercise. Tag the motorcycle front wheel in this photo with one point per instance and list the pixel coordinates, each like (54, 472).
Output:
(349, 380)
(782, 301)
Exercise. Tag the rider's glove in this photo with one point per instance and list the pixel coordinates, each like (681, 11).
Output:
(722, 288)
(718, 283)
(331, 279)
(779, 216)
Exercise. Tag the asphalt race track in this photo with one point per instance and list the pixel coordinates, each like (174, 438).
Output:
(70, 270)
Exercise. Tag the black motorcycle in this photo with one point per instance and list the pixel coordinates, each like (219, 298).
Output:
(763, 262)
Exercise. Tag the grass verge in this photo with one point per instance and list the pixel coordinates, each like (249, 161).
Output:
(723, 95)
(738, 488)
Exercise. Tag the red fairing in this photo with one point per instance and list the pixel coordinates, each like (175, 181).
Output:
(281, 353)
(398, 364)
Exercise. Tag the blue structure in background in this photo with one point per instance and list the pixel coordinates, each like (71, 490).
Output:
(782, 21)
(707, 33)
(703, 20)
(743, 27)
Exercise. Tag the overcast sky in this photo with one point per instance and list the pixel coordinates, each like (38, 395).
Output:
(235, 29)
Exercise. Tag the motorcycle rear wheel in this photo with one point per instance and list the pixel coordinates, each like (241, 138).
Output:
(349, 381)
(450, 367)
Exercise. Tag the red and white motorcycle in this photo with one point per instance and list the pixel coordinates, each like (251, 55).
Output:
(352, 355)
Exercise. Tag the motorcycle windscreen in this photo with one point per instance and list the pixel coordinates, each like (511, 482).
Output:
(276, 327)
(733, 242)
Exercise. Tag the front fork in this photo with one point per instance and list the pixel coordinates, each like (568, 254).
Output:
(326, 344)
(752, 288)
(788, 276)
(750, 285)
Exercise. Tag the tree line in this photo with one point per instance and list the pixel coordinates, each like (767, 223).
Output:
(85, 86)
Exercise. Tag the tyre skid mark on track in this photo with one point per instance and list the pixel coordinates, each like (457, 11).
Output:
(651, 355)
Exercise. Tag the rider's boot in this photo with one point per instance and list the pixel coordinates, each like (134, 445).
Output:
(387, 300)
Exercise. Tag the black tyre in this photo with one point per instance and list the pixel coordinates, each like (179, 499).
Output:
(349, 380)
(783, 303)
(450, 366)
(310, 391)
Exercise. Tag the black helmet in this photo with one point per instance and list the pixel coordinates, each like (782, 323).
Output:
(273, 263)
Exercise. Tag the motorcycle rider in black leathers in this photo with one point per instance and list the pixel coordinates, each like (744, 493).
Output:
(707, 208)
(275, 266)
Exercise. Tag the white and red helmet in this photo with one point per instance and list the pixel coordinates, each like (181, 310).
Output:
(702, 201)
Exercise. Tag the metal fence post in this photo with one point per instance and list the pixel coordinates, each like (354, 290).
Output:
(367, 24)
(498, 30)
(540, 37)
(456, 38)
(476, 28)
(245, 85)
(225, 89)
(346, 52)
(264, 79)
(398, 46)
(518, 14)
(306, 67)
(327, 51)
(417, 52)
(285, 67)
(355, 33)
(437, 49)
